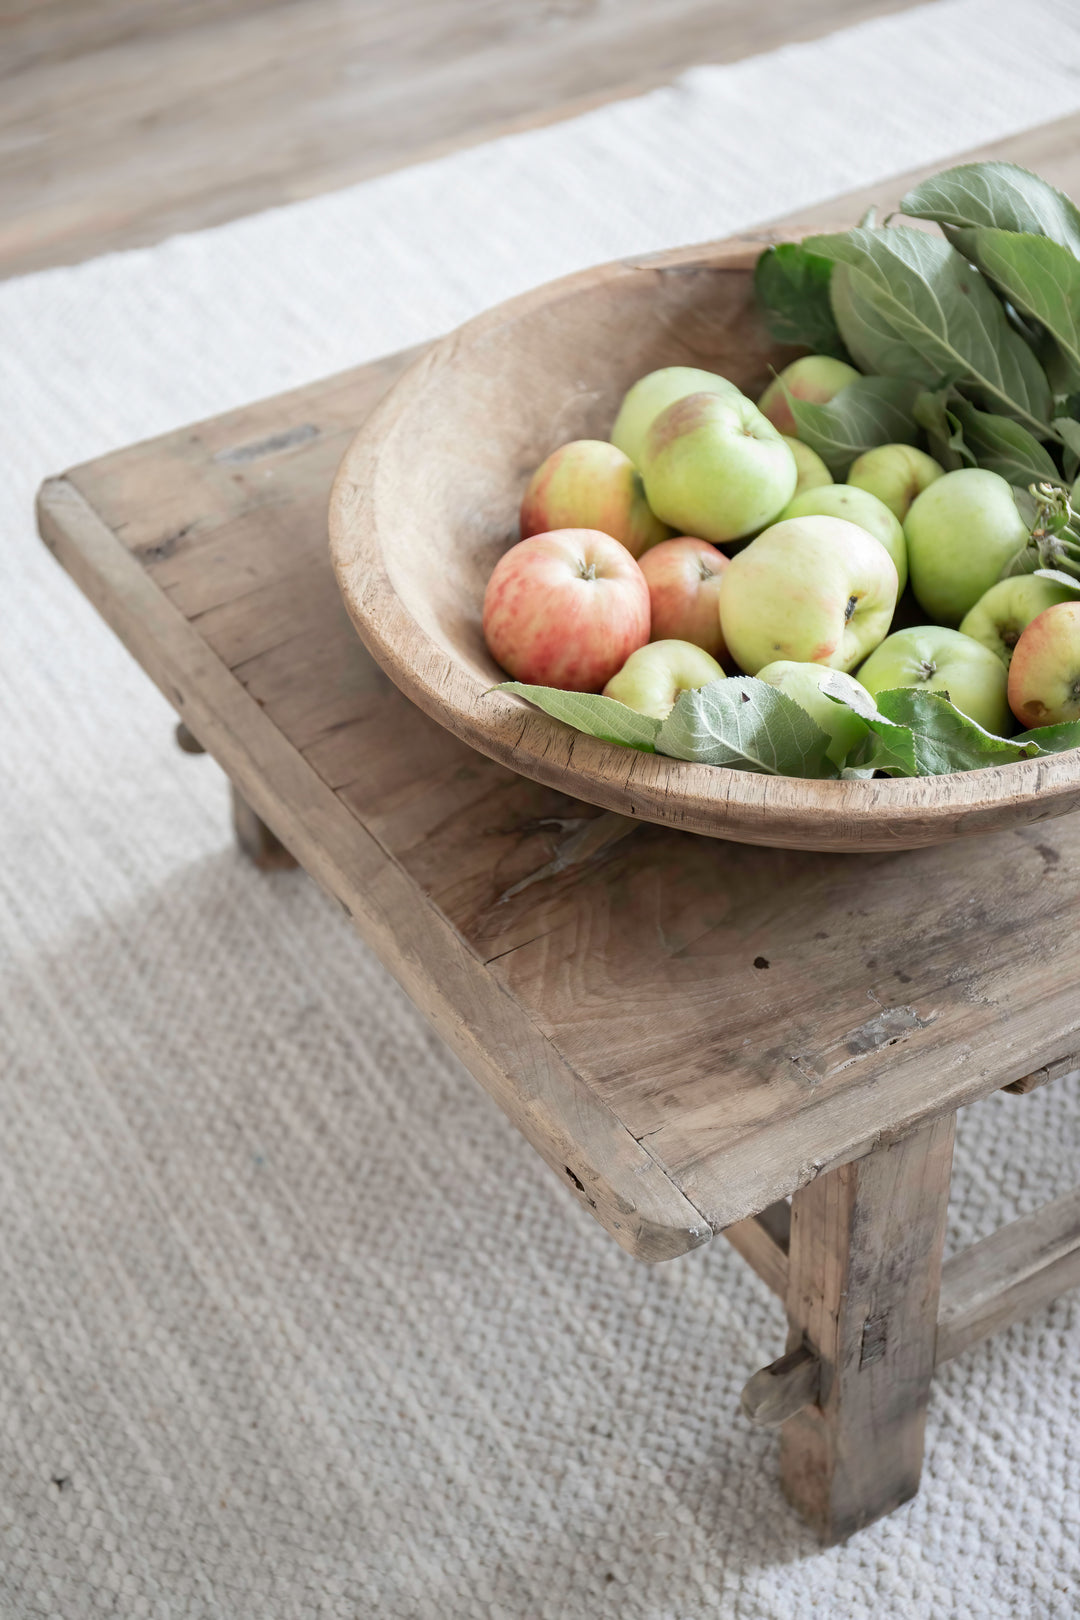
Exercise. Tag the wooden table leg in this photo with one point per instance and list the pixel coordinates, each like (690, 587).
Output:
(864, 1280)
(256, 839)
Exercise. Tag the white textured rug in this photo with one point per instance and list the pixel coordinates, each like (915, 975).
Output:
(230, 1388)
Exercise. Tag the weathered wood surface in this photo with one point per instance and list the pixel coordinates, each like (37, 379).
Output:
(865, 1274)
(1042, 1077)
(709, 1024)
(785, 1387)
(121, 124)
(258, 841)
(762, 1240)
(1009, 1274)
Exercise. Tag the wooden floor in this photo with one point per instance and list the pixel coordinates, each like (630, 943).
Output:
(122, 121)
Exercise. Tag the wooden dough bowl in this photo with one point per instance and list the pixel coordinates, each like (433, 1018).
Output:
(427, 498)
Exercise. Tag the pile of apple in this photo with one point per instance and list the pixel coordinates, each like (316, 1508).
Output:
(618, 583)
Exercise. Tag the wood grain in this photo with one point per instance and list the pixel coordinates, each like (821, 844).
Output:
(573, 1130)
(724, 1005)
(763, 1240)
(122, 123)
(865, 1273)
(1009, 1274)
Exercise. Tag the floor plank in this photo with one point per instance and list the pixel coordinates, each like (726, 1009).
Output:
(122, 123)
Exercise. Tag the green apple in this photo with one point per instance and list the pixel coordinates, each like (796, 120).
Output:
(652, 394)
(803, 683)
(814, 590)
(1044, 676)
(858, 506)
(590, 484)
(715, 468)
(895, 473)
(934, 659)
(811, 470)
(653, 676)
(815, 378)
(1003, 613)
(960, 532)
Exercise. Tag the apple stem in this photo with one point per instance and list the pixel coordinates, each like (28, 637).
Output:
(588, 570)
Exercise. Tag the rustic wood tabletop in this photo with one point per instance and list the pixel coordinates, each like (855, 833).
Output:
(688, 1031)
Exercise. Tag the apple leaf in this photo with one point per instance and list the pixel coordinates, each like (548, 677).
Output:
(1004, 195)
(590, 712)
(908, 305)
(1068, 430)
(1058, 578)
(868, 412)
(888, 746)
(1041, 279)
(792, 288)
(1002, 446)
(747, 725)
(1053, 739)
(944, 435)
(946, 740)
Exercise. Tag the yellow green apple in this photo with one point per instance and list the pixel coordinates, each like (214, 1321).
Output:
(960, 532)
(815, 378)
(654, 393)
(1003, 613)
(857, 506)
(931, 658)
(811, 471)
(1044, 676)
(716, 468)
(566, 609)
(812, 590)
(895, 473)
(684, 578)
(653, 676)
(803, 683)
(589, 484)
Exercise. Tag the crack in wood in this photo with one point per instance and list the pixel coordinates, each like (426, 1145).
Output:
(270, 446)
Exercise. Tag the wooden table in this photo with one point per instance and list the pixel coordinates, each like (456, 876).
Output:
(689, 1032)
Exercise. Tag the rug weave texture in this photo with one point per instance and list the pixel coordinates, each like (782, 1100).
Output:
(292, 1323)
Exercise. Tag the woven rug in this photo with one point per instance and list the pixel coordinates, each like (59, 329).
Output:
(292, 1323)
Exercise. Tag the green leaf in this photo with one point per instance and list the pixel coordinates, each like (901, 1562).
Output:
(599, 716)
(944, 435)
(887, 747)
(1054, 739)
(1001, 445)
(1004, 195)
(908, 305)
(747, 725)
(1058, 578)
(868, 412)
(946, 740)
(1041, 279)
(1069, 432)
(792, 288)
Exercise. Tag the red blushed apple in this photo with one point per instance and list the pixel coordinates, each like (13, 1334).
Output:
(566, 609)
(1044, 676)
(590, 484)
(684, 588)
